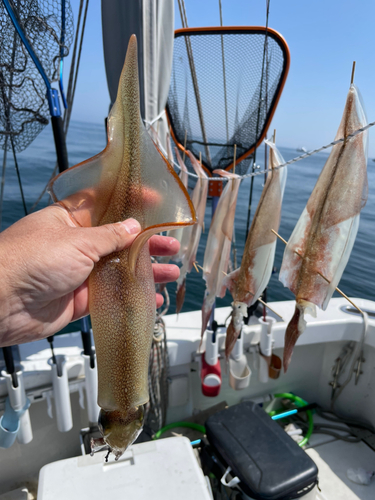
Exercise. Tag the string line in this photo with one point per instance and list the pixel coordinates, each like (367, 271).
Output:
(290, 162)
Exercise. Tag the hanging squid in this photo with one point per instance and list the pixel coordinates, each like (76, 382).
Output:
(175, 233)
(217, 253)
(247, 283)
(130, 178)
(178, 233)
(320, 245)
(191, 235)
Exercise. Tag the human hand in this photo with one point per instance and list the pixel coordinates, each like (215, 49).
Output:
(45, 261)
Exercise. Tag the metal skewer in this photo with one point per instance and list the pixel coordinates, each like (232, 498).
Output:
(270, 308)
(353, 71)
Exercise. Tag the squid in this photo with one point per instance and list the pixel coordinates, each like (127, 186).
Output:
(175, 233)
(178, 233)
(129, 178)
(217, 253)
(247, 283)
(191, 235)
(320, 245)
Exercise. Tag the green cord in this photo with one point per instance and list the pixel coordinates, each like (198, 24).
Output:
(190, 425)
(287, 395)
(300, 402)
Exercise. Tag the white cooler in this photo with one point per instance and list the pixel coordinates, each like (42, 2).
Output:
(164, 469)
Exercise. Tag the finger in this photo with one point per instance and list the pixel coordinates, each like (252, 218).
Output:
(163, 245)
(159, 300)
(104, 240)
(81, 301)
(165, 273)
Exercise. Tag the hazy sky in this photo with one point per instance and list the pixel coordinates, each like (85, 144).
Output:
(324, 38)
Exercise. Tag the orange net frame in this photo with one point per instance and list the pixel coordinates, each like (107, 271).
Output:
(225, 86)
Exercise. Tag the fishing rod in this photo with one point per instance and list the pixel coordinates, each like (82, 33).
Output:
(52, 94)
(59, 137)
(9, 364)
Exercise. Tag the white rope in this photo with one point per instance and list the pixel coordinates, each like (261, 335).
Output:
(294, 160)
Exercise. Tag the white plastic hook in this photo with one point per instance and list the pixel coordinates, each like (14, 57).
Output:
(232, 482)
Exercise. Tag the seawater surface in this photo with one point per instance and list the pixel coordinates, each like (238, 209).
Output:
(85, 140)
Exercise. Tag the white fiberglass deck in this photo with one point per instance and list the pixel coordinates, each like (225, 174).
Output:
(333, 460)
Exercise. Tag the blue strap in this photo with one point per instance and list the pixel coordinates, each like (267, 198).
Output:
(11, 416)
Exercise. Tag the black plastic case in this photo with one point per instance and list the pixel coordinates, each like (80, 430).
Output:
(269, 464)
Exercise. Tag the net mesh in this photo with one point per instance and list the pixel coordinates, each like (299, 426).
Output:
(23, 104)
(236, 103)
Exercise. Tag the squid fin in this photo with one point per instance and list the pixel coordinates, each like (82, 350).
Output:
(130, 177)
(230, 281)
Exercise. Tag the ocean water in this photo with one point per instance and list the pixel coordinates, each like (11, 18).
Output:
(85, 140)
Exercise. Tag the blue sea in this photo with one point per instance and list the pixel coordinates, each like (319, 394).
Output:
(84, 140)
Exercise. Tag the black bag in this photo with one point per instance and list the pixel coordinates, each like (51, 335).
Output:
(268, 463)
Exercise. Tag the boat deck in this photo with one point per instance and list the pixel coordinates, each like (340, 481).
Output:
(333, 458)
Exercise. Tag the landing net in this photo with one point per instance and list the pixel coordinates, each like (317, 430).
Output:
(224, 93)
(23, 104)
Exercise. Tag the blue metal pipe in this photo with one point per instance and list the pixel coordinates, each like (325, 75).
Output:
(52, 95)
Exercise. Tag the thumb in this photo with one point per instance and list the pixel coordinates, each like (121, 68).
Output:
(113, 237)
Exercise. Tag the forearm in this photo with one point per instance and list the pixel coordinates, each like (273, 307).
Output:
(7, 301)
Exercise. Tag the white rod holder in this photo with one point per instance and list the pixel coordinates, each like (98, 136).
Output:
(212, 349)
(266, 335)
(61, 394)
(91, 386)
(264, 363)
(239, 371)
(237, 351)
(18, 400)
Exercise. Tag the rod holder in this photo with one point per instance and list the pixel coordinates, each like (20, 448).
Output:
(211, 369)
(266, 335)
(239, 370)
(212, 348)
(61, 393)
(263, 372)
(275, 367)
(16, 421)
(237, 351)
(91, 386)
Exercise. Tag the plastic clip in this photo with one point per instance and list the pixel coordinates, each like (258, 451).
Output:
(232, 482)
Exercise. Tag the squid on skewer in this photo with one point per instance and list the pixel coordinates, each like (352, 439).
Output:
(191, 237)
(320, 245)
(247, 283)
(217, 253)
(176, 233)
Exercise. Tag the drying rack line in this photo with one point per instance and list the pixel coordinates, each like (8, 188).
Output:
(294, 160)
